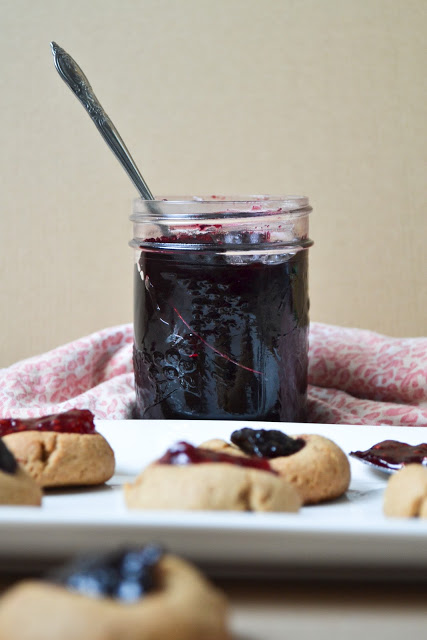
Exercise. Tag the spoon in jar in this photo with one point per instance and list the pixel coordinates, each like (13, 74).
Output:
(74, 77)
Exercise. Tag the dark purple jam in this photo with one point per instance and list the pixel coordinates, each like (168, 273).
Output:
(183, 453)
(126, 574)
(221, 337)
(73, 421)
(8, 463)
(266, 443)
(393, 455)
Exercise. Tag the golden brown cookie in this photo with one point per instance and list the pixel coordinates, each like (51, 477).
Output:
(183, 606)
(62, 459)
(406, 493)
(210, 486)
(19, 488)
(16, 486)
(319, 471)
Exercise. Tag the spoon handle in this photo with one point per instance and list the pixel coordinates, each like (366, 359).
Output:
(74, 77)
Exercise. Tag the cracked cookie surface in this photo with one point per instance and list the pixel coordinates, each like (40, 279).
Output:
(62, 459)
(210, 486)
(319, 471)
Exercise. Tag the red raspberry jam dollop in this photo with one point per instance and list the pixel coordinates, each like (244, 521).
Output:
(183, 453)
(392, 454)
(73, 421)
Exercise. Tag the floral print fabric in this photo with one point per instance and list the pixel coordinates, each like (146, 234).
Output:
(355, 377)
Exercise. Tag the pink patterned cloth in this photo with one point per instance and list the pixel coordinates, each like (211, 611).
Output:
(355, 377)
(362, 377)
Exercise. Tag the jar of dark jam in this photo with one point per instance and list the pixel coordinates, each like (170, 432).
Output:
(221, 308)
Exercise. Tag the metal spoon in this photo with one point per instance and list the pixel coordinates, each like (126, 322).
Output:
(74, 77)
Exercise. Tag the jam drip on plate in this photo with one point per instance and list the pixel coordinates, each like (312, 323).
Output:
(8, 463)
(73, 421)
(393, 455)
(266, 443)
(126, 574)
(183, 453)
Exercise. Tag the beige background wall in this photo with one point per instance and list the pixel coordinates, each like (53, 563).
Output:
(324, 98)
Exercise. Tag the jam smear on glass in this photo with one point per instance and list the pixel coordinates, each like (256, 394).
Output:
(266, 443)
(393, 455)
(73, 421)
(183, 453)
(126, 574)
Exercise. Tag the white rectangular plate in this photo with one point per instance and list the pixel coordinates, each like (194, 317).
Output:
(348, 537)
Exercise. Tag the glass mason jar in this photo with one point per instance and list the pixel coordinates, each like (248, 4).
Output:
(221, 307)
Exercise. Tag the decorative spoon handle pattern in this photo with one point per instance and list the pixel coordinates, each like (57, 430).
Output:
(74, 77)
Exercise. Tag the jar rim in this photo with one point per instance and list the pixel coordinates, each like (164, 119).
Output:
(294, 201)
(186, 207)
(214, 223)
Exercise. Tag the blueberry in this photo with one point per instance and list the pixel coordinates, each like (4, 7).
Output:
(266, 443)
(125, 574)
(8, 463)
